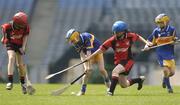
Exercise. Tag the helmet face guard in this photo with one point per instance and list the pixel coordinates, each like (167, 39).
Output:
(72, 36)
(162, 20)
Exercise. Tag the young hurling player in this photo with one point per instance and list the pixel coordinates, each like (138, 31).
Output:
(15, 34)
(164, 33)
(121, 42)
(86, 44)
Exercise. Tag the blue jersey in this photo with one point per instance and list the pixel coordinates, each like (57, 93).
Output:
(160, 36)
(87, 43)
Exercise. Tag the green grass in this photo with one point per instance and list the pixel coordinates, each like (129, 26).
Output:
(96, 95)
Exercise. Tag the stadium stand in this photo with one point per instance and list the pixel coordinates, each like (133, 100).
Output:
(97, 16)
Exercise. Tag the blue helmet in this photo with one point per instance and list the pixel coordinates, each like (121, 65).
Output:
(119, 26)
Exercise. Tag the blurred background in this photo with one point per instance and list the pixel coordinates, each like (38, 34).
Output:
(47, 51)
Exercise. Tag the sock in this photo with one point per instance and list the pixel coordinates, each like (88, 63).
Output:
(10, 78)
(113, 84)
(83, 88)
(22, 80)
(107, 81)
(166, 80)
(133, 81)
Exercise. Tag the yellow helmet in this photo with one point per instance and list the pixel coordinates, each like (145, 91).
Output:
(162, 19)
(72, 36)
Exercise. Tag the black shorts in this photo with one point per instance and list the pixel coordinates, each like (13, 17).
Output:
(14, 47)
(127, 64)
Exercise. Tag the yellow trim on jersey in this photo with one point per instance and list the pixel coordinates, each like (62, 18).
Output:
(162, 40)
(169, 63)
(92, 40)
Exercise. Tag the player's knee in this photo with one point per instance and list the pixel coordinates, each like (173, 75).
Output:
(171, 73)
(115, 73)
(20, 66)
(11, 58)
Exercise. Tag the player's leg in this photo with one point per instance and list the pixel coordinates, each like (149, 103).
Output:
(124, 82)
(11, 62)
(22, 71)
(166, 78)
(115, 76)
(100, 61)
(139, 81)
(169, 70)
(88, 69)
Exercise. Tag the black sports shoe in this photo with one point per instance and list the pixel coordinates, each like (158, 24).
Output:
(140, 84)
(170, 90)
(24, 88)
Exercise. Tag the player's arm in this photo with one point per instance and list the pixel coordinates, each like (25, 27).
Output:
(2, 33)
(25, 38)
(148, 43)
(99, 51)
(102, 49)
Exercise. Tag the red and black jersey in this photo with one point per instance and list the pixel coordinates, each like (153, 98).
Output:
(12, 35)
(122, 48)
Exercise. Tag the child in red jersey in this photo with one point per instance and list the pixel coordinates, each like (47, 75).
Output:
(121, 42)
(15, 34)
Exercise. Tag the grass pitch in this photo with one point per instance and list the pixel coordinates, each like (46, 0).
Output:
(96, 95)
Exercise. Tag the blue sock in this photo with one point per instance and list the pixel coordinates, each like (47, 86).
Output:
(83, 88)
(166, 80)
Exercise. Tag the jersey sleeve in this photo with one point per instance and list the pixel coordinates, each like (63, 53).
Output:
(152, 38)
(135, 37)
(107, 44)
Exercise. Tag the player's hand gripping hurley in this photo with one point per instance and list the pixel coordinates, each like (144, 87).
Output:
(172, 42)
(51, 75)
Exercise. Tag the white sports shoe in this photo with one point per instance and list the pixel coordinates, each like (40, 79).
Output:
(109, 94)
(9, 86)
(80, 93)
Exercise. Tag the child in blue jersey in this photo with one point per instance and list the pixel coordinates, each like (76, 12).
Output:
(164, 33)
(86, 44)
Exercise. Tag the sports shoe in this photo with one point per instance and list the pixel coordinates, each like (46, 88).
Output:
(140, 84)
(24, 88)
(80, 93)
(170, 90)
(109, 93)
(107, 90)
(9, 86)
(164, 85)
